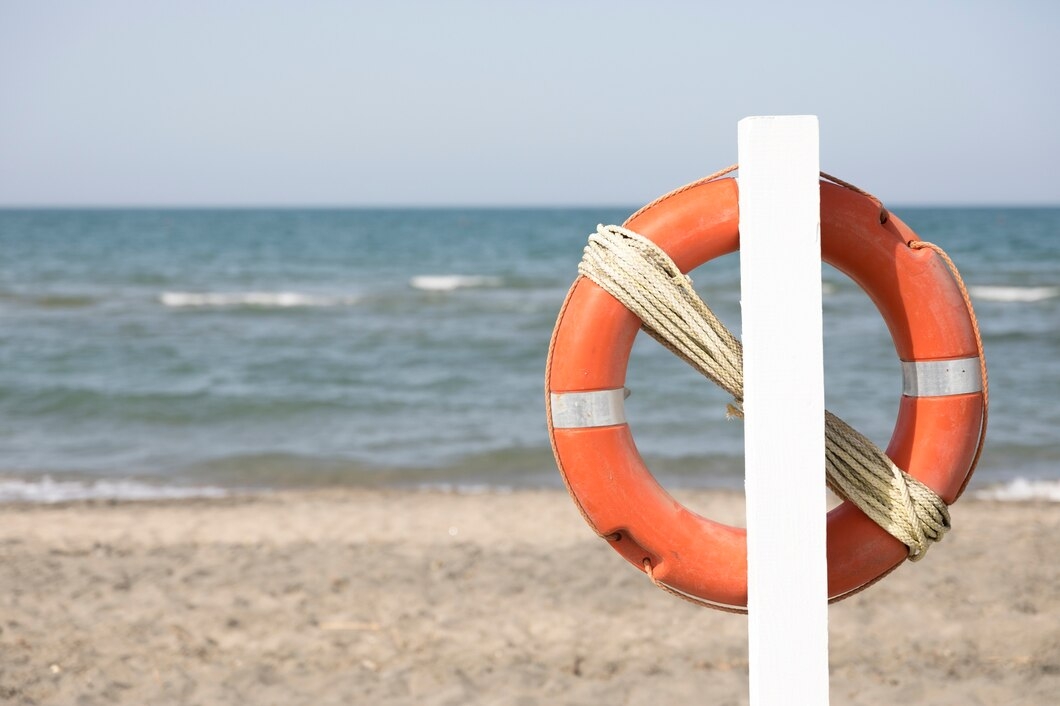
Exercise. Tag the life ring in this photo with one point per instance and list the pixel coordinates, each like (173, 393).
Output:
(936, 437)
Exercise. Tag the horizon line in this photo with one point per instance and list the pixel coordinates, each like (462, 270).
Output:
(436, 206)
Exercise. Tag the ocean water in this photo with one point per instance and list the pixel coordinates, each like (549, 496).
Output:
(169, 352)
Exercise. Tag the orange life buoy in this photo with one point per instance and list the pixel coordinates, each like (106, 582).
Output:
(936, 437)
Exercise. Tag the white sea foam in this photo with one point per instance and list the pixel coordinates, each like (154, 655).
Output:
(449, 283)
(47, 490)
(264, 300)
(1023, 489)
(1013, 294)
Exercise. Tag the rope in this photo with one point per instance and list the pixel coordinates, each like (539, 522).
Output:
(696, 600)
(884, 214)
(691, 185)
(921, 244)
(643, 277)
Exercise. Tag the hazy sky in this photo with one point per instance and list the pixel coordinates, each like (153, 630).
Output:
(494, 102)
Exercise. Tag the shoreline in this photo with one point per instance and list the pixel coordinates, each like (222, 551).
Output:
(386, 596)
(50, 489)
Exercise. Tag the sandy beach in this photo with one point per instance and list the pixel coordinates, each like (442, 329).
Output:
(394, 597)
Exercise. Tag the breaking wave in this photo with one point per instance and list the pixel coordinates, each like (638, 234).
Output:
(47, 490)
(262, 300)
(449, 283)
(1022, 489)
(1013, 294)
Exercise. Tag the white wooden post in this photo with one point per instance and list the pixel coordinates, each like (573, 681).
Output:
(780, 270)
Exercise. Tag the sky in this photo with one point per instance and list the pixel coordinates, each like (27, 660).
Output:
(496, 103)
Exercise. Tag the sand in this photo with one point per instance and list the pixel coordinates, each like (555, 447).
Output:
(393, 597)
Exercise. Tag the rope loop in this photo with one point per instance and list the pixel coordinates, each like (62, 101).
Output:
(695, 600)
(647, 282)
(924, 245)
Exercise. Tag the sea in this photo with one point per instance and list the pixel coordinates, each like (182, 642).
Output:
(174, 353)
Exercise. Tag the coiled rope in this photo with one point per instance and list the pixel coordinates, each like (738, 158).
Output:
(643, 277)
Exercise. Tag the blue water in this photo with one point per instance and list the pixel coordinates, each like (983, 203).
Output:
(269, 348)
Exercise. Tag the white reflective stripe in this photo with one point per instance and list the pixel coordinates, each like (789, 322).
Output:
(938, 378)
(578, 410)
